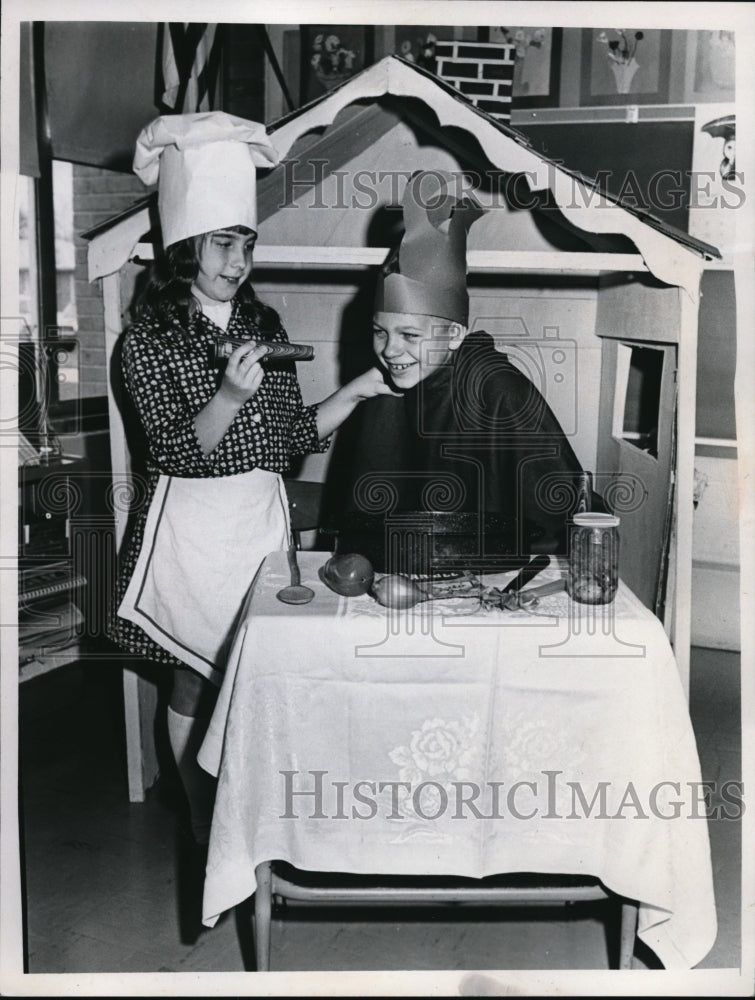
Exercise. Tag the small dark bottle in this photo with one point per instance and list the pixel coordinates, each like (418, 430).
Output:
(584, 493)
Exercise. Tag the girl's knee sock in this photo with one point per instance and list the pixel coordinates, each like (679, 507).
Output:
(186, 733)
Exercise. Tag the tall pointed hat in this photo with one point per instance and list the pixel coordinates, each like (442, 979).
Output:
(427, 274)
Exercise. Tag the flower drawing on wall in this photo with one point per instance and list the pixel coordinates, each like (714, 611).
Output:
(421, 51)
(523, 39)
(620, 66)
(621, 51)
(331, 61)
(623, 66)
(536, 53)
(527, 42)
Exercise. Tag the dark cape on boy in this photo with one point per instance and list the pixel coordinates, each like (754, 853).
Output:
(473, 435)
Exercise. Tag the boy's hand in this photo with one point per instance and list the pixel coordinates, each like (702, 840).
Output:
(243, 374)
(370, 384)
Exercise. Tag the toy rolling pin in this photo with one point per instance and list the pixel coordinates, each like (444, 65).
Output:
(224, 347)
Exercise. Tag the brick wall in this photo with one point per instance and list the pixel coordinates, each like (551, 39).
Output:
(483, 72)
(97, 195)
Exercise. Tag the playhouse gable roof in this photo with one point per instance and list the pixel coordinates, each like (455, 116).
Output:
(671, 255)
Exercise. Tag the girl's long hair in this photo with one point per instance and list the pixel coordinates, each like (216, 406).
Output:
(167, 294)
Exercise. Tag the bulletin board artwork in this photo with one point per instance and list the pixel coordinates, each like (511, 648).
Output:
(331, 54)
(710, 69)
(416, 42)
(538, 64)
(624, 66)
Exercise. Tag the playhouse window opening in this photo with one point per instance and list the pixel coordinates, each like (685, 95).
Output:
(641, 373)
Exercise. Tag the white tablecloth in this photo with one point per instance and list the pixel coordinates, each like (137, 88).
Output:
(452, 740)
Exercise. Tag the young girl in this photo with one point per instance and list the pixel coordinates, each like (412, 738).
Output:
(218, 439)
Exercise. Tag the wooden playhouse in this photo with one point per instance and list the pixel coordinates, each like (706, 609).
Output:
(597, 303)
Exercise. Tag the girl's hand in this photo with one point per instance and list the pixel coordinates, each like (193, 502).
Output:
(332, 412)
(371, 383)
(243, 374)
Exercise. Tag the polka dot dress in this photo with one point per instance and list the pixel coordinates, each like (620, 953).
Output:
(170, 376)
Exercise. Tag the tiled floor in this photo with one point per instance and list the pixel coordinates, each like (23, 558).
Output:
(110, 887)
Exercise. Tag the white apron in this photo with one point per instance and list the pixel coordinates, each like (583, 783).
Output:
(203, 543)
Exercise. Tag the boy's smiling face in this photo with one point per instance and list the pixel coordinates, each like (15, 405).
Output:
(410, 347)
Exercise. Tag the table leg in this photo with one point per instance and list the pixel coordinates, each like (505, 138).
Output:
(628, 932)
(262, 915)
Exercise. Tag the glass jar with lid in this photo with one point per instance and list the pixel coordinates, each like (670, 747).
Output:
(593, 558)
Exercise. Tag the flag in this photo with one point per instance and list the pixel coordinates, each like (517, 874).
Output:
(190, 61)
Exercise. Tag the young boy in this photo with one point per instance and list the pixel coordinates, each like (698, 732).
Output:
(471, 444)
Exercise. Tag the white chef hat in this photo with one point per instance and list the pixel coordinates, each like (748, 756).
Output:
(206, 166)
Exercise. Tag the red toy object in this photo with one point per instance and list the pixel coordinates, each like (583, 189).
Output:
(348, 575)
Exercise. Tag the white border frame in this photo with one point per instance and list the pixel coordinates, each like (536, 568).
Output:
(740, 16)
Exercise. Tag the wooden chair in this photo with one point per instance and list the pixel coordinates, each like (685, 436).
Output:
(304, 505)
(279, 882)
